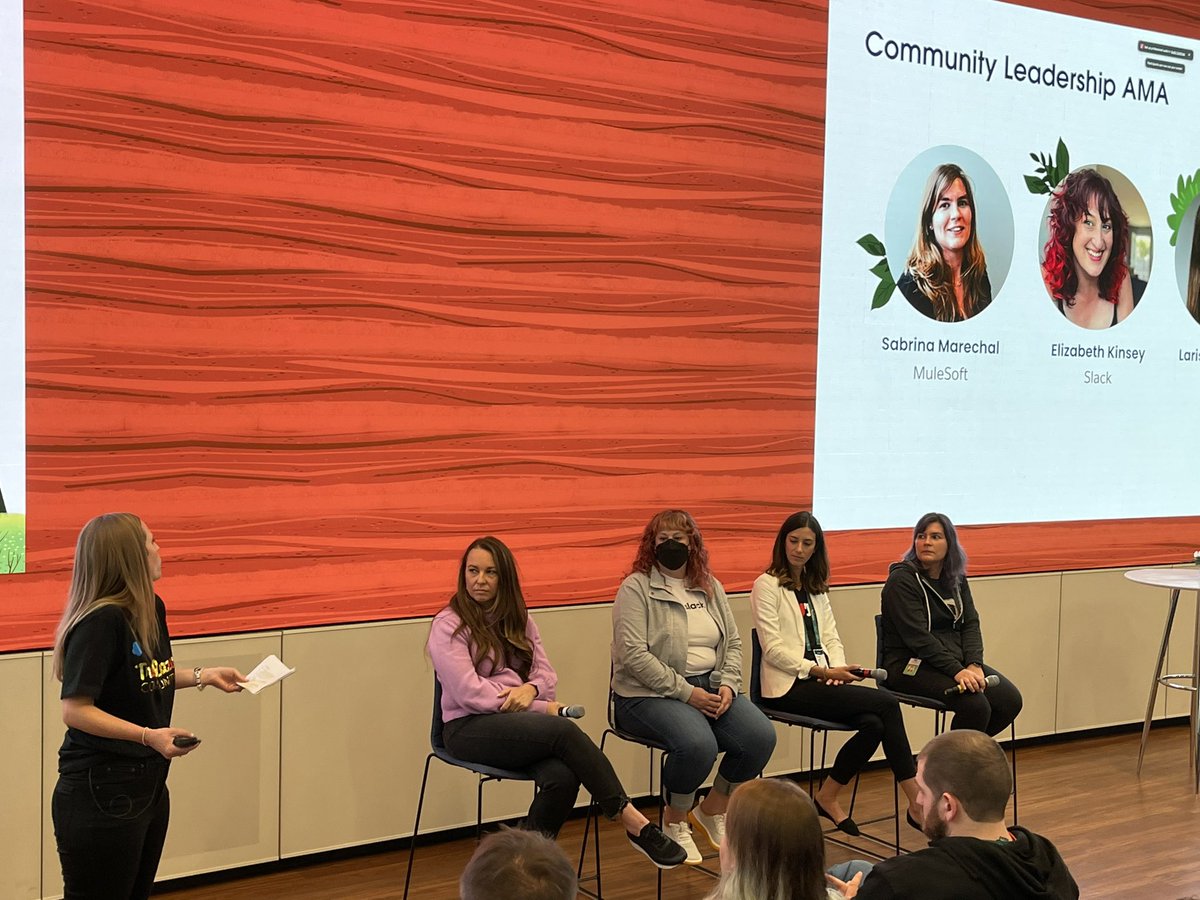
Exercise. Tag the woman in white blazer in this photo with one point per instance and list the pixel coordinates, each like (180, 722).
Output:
(804, 667)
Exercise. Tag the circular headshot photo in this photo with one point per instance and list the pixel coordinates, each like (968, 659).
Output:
(1187, 259)
(949, 234)
(1096, 247)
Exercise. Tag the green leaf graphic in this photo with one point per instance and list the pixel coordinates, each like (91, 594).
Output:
(871, 244)
(1187, 190)
(1062, 162)
(880, 270)
(1051, 172)
(883, 293)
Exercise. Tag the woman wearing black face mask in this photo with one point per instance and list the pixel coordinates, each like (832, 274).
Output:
(677, 676)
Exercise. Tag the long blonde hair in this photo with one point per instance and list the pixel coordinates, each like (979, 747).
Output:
(775, 842)
(928, 268)
(112, 568)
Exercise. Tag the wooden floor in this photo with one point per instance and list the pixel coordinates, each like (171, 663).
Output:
(1121, 836)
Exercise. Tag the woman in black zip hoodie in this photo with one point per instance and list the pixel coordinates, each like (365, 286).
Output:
(931, 637)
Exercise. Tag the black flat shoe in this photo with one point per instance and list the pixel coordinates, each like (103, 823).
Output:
(913, 822)
(846, 826)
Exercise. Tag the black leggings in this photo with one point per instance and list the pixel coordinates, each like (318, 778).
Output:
(874, 714)
(559, 755)
(989, 711)
(110, 822)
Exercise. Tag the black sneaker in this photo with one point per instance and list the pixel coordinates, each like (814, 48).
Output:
(659, 849)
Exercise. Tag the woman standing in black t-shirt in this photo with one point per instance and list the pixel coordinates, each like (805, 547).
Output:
(112, 653)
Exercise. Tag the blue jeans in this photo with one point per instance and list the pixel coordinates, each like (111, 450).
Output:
(693, 741)
(846, 870)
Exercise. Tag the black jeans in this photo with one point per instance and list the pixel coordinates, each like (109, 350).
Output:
(559, 755)
(989, 711)
(110, 822)
(875, 714)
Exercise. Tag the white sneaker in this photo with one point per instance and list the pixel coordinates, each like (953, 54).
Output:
(681, 833)
(712, 827)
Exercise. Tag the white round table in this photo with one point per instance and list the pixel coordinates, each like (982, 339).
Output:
(1177, 580)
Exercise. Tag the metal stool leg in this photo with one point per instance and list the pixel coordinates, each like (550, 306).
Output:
(591, 826)
(812, 761)
(593, 812)
(662, 802)
(1013, 748)
(896, 810)
(587, 829)
(412, 847)
(1158, 667)
(1194, 706)
(479, 811)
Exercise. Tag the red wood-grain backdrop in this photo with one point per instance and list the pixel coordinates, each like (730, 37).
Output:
(325, 288)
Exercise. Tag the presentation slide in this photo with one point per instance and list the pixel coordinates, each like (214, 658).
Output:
(12, 292)
(1010, 269)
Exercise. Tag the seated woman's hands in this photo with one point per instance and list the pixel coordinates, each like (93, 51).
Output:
(836, 675)
(971, 679)
(726, 695)
(517, 699)
(712, 705)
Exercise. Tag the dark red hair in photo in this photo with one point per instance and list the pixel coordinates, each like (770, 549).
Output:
(1071, 201)
(696, 574)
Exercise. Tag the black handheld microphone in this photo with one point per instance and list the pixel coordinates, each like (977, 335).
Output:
(990, 681)
(572, 712)
(877, 674)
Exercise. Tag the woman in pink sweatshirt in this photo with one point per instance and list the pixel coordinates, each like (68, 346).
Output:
(499, 706)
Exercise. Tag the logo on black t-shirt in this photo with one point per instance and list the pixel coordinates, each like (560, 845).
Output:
(155, 675)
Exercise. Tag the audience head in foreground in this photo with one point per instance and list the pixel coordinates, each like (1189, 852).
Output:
(963, 782)
(773, 847)
(514, 863)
